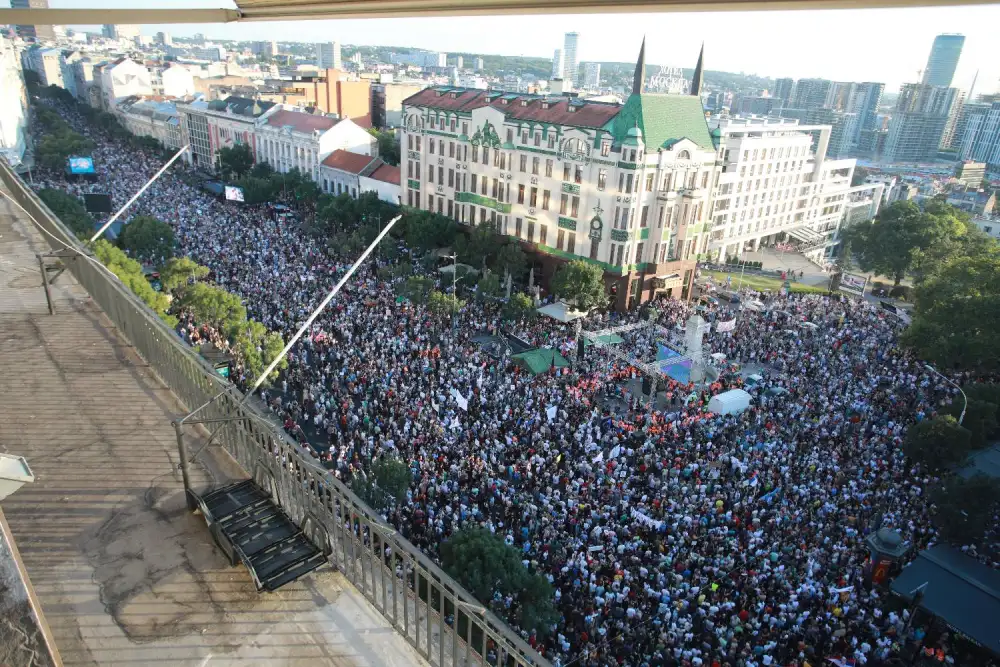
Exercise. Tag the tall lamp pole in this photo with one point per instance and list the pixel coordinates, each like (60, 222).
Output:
(965, 399)
(454, 287)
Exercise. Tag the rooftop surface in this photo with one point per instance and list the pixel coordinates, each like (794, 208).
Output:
(124, 573)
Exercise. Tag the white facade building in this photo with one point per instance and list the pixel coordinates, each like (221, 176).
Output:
(592, 75)
(576, 179)
(328, 56)
(47, 64)
(557, 64)
(570, 62)
(177, 81)
(210, 126)
(13, 104)
(146, 118)
(288, 140)
(773, 184)
(124, 78)
(385, 182)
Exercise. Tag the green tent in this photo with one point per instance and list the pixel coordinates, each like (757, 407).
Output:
(606, 339)
(540, 360)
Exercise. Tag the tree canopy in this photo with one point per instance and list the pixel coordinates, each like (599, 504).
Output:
(215, 306)
(580, 283)
(148, 239)
(235, 161)
(891, 245)
(178, 272)
(966, 509)
(130, 273)
(937, 443)
(486, 566)
(388, 146)
(70, 210)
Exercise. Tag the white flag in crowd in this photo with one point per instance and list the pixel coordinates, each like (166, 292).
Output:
(462, 401)
(722, 327)
(551, 412)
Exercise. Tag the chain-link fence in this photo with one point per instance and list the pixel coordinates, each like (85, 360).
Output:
(442, 621)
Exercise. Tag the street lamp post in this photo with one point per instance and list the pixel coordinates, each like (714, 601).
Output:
(454, 287)
(965, 399)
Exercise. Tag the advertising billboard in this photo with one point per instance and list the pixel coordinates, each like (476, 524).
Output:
(81, 165)
(234, 193)
(852, 283)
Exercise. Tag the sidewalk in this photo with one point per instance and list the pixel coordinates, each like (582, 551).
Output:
(124, 573)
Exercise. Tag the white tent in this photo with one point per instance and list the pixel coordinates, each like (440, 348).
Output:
(729, 402)
(561, 311)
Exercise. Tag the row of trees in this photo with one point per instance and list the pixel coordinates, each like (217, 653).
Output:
(955, 269)
(59, 141)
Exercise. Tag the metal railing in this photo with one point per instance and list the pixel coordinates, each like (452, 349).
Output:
(441, 620)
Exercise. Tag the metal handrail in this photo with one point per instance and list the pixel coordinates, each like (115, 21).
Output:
(305, 488)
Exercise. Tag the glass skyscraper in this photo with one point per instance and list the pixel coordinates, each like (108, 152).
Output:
(943, 60)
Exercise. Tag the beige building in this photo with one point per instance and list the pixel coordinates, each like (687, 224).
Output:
(387, 102)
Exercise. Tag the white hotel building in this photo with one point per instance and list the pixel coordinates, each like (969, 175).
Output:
(626, 187)
(773, 183)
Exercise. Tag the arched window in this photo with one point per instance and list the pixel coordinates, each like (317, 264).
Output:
(683, 155)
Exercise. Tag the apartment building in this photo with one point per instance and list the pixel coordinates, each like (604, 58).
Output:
(149, 118)
(918, 122)
(288, 140)
(387, 102)
(46, 63)
(626, 187)
(328, 56)
(123, 78)
(13, 105)
(773, 184)
(980, 139)
(210, 126)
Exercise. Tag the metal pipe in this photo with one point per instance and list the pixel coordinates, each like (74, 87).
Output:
(182, 451)
(138, 194)
(322, 305)
(965, 399)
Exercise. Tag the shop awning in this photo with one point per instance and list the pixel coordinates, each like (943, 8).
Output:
(561, 312)
(959, 590)
(540, 360)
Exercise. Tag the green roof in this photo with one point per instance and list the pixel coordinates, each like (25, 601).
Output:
(664, 120)
(540, 360)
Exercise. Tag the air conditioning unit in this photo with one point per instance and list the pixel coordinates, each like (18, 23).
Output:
(14, 473)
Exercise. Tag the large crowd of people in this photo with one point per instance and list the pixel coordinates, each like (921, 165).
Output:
(671, 536)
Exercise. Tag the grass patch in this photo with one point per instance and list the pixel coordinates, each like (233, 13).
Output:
(761, 283)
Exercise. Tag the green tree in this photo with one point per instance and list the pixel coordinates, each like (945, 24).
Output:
(486, 566)
(256, 347)
(892, 243)
(418, 289)
(440, 303)
(937, 443)
(70, 210)
(859, 176)
(510, 260)
(965, 509)
(235, 161)
(57, 146)
(131, 275)
(520, 306)
(258, 190)
(148, 239)
(580, 283)
(478, 247)
(262, 170)
(388, 146)
(178, 272)
(393, 477)
(489, 287)
(428, 231)
(957, 310)
(213, 305)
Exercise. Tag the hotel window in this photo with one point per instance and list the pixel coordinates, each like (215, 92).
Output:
(638, 252)
(520, 193)
(602, 178)
(625, 212)
(621, 252)
(441, 175)
(486, 155)
(566, 172)
(543, 234)
(430, 203)
(475, 153)
(451, 149)
(451, 178)
(534, 165)
(560, 238)
(430, 173)
(524, 136)
(517, 226)
(548, 168)
(643, 222)
(483, 184)
(545, 200)
(571, 244)
(575, 208)
(510, 136)
(409, 197)
(563, 204)
(533, 202)
(482, 215)
(531, 230)
(524, 163)
(621, 182)
(578, 174)
(451, 204)
(409, 168)
(453, 123)
(465, 128)
(552, 139)
(605, 149)
(538, 138)
(649, 183)
(629, 181)
(473, 188)
(430, 146)
(409, 142)
(494, 188)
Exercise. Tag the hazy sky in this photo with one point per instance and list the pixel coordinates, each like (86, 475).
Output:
(887, 45)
